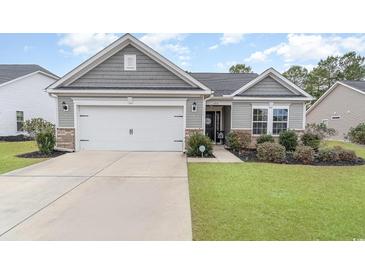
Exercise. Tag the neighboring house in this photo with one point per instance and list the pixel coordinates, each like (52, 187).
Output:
(341, 107)
(23, 96)
(129, 97)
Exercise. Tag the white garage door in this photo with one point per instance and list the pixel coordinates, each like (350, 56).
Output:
(131, 128)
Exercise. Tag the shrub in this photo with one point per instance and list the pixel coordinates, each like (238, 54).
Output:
(265, 138)
(311, 139)
(46, 141)
(37, 125)
(345, 155)
(233, 141)
(288, 139)
(357, 134)
(304, 154)
(195, 141)
(237, 141)
(328, 155)
(271, 152)
(321, 130)
(245, 139)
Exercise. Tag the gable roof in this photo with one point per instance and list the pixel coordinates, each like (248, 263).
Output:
(11, 72)
(358, 86)
(280, 79)
(224, 83)
(116, 46)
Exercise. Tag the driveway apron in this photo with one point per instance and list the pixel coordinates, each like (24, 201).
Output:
(98, 195)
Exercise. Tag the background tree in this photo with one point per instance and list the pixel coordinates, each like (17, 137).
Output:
(349, 66)
(298, 75)
(240, 68)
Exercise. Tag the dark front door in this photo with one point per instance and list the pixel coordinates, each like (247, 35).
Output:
(209, 124)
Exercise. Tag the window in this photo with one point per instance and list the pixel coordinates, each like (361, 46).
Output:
(130, 62)
(279, 120)
(19, 120)
(259, 121)
(335, 117)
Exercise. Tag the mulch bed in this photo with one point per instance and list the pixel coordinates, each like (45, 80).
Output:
(38, 154)
(16, 138)
(250, 155)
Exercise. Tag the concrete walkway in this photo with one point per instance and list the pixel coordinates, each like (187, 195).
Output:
(98, 195)
(221, 156)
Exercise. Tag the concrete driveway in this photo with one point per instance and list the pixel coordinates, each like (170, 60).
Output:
(98, 195)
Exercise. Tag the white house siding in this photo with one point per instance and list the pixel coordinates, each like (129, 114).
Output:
(26, 95)
(344, 102)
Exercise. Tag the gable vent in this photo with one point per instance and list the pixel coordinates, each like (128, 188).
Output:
(129, 62)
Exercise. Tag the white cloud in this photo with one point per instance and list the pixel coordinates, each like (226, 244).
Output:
(257, 56)
(231, 38)
(169, 42)
(309, 47)
(214, 47)
(27, 48)
(224, 66)
(228, 38)
(86, 43)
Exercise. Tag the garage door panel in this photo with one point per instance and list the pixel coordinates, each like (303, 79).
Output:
(109, 128)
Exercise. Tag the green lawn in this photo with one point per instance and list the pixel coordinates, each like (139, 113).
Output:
(259, 201)
(8, 152)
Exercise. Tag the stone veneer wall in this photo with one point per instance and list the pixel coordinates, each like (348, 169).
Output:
(189, 132)
(65, 138)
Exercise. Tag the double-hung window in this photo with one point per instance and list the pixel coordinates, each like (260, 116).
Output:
(19, 120)
(269, 120)
(260, 121)
(279, 120)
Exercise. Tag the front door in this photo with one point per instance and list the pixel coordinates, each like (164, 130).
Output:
(209, 124)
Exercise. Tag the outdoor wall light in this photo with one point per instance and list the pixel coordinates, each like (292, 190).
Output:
(194, 107)
(64, 106)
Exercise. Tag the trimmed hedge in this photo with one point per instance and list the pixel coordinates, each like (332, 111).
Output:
(304, 154)
(271, 152)
(265, 138)
(195, 141)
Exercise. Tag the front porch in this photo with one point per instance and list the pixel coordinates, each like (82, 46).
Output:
(217, 122)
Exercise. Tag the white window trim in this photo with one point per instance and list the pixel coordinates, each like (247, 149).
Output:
(270, 117)
(130, 68)
(16, 121)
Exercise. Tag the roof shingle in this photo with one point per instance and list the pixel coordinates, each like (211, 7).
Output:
(355, 84)
(224, 83)
(11, 72)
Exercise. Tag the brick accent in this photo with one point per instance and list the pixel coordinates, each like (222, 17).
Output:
(189, 132)
(65, 138)
(245, 131)
(254, 138)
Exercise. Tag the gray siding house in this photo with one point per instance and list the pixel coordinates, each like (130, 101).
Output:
(341, 107)
(129, 97)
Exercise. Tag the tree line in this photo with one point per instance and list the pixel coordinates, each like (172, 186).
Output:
(350, 66)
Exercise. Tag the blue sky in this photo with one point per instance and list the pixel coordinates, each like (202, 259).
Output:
(194, 52)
